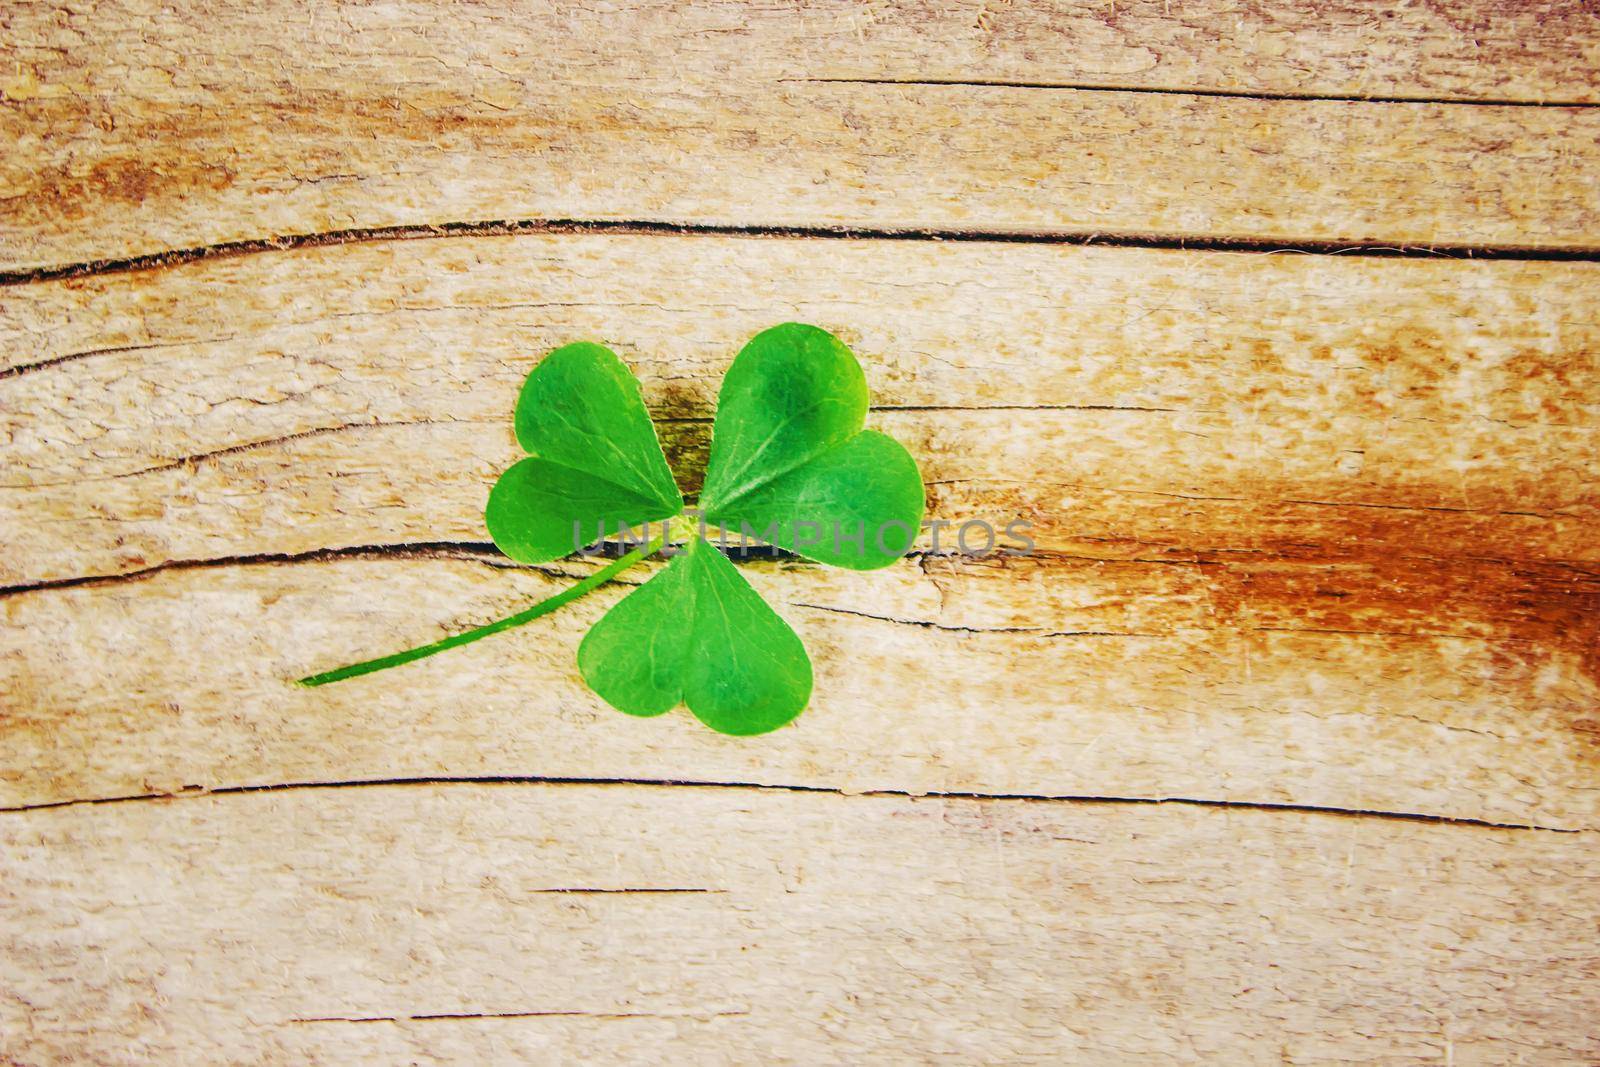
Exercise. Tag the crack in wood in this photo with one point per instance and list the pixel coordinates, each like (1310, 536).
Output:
(1278, 502)
(649, 227)
(478, 551)
(233, 450)
(625, 889)
(1228, 94)
(1031, 631)
(488, 554)
(197, 458)
(789, 787)
(72, 357)
(463, 1016)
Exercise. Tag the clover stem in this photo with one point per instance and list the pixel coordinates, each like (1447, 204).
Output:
(544, 607)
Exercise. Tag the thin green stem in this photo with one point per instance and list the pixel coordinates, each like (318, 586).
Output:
(544, 607)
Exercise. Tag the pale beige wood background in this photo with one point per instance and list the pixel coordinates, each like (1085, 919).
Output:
(1316, 566)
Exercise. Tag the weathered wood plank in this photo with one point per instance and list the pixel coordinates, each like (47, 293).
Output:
(1283, 477)
(1235, 681)
(1474, 50)
(1122, 400)
(141, 128)
(515, 921)
(1314, 532)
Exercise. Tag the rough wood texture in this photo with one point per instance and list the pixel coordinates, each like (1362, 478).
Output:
(140, 128)
(508, 922)
(1119, 398)
(1313, 532)
(1055, 678)
(1255, 498)
(1486, 50)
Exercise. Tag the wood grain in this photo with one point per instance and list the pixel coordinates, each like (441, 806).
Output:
(1478, 50)
(506, 923)
(141, 128)
(1124, 401)
(1282, 745)
(1234, 471)
(1054, 678)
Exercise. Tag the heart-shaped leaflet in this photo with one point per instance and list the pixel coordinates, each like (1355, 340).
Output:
(594, 462)
(790, 464)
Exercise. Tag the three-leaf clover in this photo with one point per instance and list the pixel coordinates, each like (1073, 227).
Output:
(790, 464)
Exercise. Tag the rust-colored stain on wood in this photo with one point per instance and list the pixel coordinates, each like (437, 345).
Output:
(1277, 322)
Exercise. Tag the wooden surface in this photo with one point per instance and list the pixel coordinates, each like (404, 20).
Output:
(139, 129)
(565, 922)
(1283, 746)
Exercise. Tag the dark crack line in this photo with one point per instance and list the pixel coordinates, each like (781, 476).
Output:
(1029, 631)
(1281, 502)
(1411, 635)
(1227, 94)
(463, 1016)
(476, 551)
(70, 357)
(484, 552)
(1032, 407)
(624, 889)
(1426, 507)
(199, 458)
(1043, 632)
(778, 787)
(489, 554)
(655, 227)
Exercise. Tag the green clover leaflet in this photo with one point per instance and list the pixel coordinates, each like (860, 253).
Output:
(790, 463)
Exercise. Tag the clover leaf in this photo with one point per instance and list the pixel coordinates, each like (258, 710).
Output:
(698, 633)
(789, 456)
(791, 463)
(593, 458)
